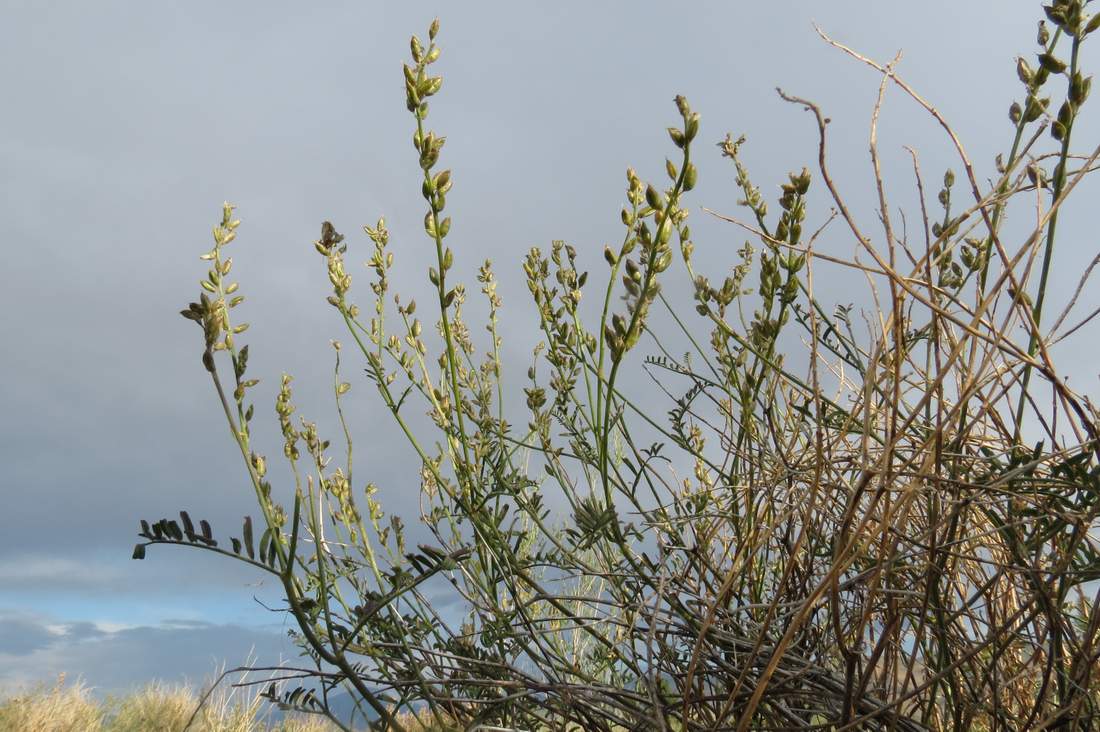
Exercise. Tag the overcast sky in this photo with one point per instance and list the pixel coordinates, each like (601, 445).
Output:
(125, 125)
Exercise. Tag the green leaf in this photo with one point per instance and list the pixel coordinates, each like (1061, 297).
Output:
(139, 551)
(188, 526)
(247, 530)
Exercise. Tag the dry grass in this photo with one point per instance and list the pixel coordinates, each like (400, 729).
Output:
(155, 708)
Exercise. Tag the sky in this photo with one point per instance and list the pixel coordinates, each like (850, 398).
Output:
(125, 126)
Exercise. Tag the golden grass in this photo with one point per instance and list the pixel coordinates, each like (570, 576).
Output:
(155, 708)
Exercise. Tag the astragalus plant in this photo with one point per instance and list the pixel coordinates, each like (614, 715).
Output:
(890, 526)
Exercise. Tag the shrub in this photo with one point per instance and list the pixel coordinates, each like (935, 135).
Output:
(890, 528)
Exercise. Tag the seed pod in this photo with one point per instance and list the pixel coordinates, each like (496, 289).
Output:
(677, 136)
(1035, 108)
(1079, 88)
(1052, 64)
(1023, 70)
(442, 181)
(1066, 114)
(691, 127)
(610, 256)
(653, 198)
(690, 175)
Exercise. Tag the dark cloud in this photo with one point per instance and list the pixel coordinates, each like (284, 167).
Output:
(33, 650)
(22, 636)
(83, 630)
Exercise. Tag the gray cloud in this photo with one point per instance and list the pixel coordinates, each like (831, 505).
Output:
(34, 650)
(21, 636)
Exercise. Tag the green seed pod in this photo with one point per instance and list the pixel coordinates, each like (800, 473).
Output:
(1015, 113)
(433, 29)
(1093, 24)
(1058, 131)
(610, 256)
(948, 178)
(664, 231)
(1066, 113)
(1052, 64)
(653, 198)
(1035, 108)
(690, 175)
(632, 270)
(442, 181)
(803, 182)
(670, 169)
(1079, 88)
(682, 105)
(677, 136)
